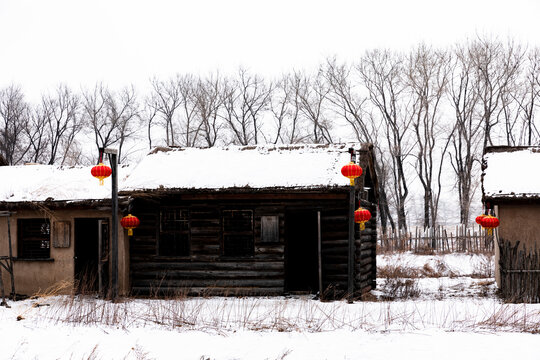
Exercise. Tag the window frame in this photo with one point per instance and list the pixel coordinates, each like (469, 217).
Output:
(225, 233)
(24, 237)
(186, 232)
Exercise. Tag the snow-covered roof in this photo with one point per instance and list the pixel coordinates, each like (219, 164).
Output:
(49, 182)
(260, 167)
(512, 172)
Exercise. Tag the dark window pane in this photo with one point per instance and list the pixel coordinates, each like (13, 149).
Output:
(237, 220)
(174, 236)
(34, 238)
(238, 233)
(174, 244)
(238, 245)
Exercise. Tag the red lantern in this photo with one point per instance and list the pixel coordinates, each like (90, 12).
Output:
(361, 216)
(130, 222)
(351, 171)
(479, 219)
(101, 172)
(489, 222)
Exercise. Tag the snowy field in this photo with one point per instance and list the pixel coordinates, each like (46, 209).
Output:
(425, 307)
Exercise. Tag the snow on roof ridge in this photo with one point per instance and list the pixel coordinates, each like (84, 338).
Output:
(269, 147)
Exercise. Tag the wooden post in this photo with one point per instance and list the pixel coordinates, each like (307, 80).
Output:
(9, 259)
(100, 263)
(319, 248)
(3, 302)
(350, 263)
(12, 277)
(114, 241)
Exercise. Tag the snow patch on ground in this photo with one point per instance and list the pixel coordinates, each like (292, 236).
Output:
(450, 319)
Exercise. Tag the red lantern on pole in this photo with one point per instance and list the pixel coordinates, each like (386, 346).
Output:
(351, 171)
(489, 222)
(130, 222)
(361, 216)
(101, 172)
(479, 219)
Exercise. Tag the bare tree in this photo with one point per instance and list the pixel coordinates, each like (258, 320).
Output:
(496, 67)
(113, 117)
(467, 134)
(14, 117)
(167, 98)
(312, 93)
(148, 115)
(62, 119)
(285, 108)
(427, 74)
(382, 74)
(190, 128)
(527, 100)
(347, 102)
(208, 99)
(37, 135)
(245, 99)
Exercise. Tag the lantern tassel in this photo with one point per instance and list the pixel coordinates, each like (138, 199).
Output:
(490, 231)
(130, 232)
(352, 181)
(362, 226)
(101, 182)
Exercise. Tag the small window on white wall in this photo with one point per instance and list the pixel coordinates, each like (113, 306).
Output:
(270, 229)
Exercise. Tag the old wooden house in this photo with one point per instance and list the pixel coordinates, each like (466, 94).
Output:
(264, 220)
(249, 220)
(511, 188)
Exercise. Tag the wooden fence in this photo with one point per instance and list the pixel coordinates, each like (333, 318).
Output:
(437, 240)
(520, 273)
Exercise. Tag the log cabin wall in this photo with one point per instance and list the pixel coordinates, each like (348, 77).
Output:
(366, 252)
(206, 270)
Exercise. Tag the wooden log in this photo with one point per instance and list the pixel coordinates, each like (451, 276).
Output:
(207, 275)
(259, 283)
(206, 291)
(175, 264)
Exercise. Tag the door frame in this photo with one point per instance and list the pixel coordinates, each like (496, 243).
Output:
(103, 251)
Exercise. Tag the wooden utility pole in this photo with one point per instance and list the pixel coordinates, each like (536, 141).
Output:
(114, 220)
(350, 265)
(7, 261)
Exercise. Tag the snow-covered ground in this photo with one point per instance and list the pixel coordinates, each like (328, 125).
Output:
(453, 314)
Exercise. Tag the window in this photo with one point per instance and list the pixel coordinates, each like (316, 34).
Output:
(269, 229)
(34, 238)
(61, 234)
(238, 233)
(174, 232)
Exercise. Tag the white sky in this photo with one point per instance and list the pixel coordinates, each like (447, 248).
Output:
(43, 43)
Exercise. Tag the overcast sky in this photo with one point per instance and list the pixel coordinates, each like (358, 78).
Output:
(44, 43)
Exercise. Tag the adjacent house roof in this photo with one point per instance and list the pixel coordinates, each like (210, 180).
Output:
(258, 167)
(51, 183)
(511, 172)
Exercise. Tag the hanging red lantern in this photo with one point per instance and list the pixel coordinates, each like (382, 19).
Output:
(101, 172)
(479, 219)
(130, 222)
(489, 222)
(361, 216)
(351, 171)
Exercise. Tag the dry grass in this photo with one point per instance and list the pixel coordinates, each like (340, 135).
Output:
(223, 315)
(176, 311)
